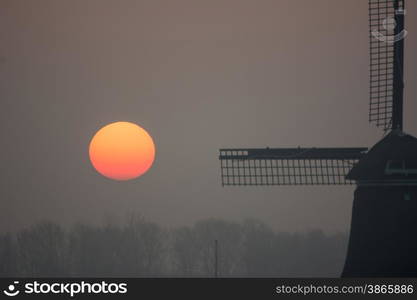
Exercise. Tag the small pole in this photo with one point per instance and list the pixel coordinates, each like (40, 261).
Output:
(216, 274)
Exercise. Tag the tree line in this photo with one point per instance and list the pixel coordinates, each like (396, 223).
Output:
(139, 248)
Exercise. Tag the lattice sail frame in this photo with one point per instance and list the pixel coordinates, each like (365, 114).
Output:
(382, 36)
(288, 166)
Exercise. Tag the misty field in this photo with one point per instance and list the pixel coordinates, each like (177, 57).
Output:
(140, 248)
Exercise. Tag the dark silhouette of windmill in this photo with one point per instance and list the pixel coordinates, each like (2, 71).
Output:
(383, 236)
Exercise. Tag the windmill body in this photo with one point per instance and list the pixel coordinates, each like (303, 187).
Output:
(383, 236)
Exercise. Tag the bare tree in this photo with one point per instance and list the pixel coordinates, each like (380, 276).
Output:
(7, 256)
(42, 251)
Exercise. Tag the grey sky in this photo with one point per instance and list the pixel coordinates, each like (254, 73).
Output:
(198, 75)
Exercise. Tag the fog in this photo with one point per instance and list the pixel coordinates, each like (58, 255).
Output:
(138, 248)
(198, 75)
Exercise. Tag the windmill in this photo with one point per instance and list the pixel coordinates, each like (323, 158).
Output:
(383, 236)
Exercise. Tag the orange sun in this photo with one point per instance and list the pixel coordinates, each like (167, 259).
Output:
(122, 151)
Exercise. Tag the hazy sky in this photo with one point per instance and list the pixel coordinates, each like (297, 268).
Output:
(198, 75)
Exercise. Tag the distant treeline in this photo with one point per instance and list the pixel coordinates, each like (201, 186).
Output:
(144, 249)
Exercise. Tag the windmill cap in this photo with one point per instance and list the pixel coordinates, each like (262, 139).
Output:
(392, 158)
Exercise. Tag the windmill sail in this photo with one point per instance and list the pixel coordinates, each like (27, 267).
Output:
(386, 23)
(288, 166)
